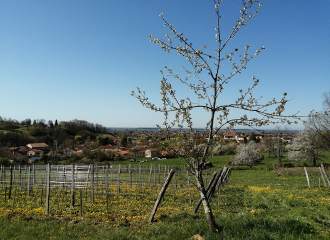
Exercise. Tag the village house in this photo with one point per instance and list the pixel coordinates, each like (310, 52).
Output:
(110, 147)
(38, 146)
(164, 154)
(242, 138)
(230, 136)
(12, 156)
(287, 138)
(150, 153)
(34, 153)
(259, 136)
(234, 136)
(124, 153)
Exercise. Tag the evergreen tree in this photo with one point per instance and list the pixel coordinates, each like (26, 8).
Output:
(123, 141)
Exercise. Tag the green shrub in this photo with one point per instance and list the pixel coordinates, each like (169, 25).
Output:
(4, 161)
(288, 165)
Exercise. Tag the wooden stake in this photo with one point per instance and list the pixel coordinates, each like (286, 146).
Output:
(10, 182)
(81, 204)
(188, 183)
(325, 174)
(92, 184)
(29, 181)
(150, 174)
(47, 187)
(130, 176)
(307, 177)
(106, 180)
(140, 178)
(72, 186)
(161, 194)
(213, 179)
(322, 177)
(119, 170)
(20, 176)
(159, 169)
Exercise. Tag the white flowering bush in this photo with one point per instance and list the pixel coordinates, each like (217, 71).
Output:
(307, 146)
(248, 154)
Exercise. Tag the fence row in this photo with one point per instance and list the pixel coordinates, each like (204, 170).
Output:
(90, 177)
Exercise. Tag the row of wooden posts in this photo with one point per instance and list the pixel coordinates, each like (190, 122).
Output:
(216, 181)
(28, 179)
(324, 175)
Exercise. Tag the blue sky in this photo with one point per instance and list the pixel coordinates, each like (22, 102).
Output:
(81, 59)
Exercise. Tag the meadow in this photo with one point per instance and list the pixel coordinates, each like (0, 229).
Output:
(256, 204)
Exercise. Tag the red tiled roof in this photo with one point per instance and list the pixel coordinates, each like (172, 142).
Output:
(153, 149)
(24, 149)
(38, 145)
(124, 152)
(164, 152)
(232, 134)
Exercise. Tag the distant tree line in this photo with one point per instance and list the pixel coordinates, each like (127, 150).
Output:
(15, 133)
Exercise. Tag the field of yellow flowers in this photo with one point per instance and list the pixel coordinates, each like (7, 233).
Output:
(256, 204)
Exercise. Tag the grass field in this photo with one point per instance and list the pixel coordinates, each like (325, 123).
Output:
(256, 204)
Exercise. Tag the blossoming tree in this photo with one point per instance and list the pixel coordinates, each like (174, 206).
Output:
(249, 154)
(320, 122)
(306, 146)
(205, 91)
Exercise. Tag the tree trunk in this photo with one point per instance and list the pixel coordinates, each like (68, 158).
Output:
(278, 149)
(207, 208)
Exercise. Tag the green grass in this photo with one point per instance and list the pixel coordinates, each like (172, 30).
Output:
(257, 204)
(244, 212)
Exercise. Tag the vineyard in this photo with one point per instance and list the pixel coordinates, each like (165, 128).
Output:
(115, 202)
(63, 187)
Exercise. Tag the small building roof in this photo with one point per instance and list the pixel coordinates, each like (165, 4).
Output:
(35, 158)
(38, 145)
(232, 134)
(124, 152)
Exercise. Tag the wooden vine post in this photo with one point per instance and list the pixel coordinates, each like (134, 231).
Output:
(92, 183)
(107, 180)
(161, 194)
(322, 177)
(307, 178)
(119, 171)
(72, 187)
(213, 179)
(188, 183)
(47, 187)
(29, 182)
(10, 182)
(325, 174)
(130, 176)
(107, 186)
(140, 178)
(217, 180)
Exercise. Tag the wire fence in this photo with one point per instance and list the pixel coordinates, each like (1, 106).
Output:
(95, 182)
(91, 178)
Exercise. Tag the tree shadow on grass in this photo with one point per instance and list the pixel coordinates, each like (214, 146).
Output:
(251, 227)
